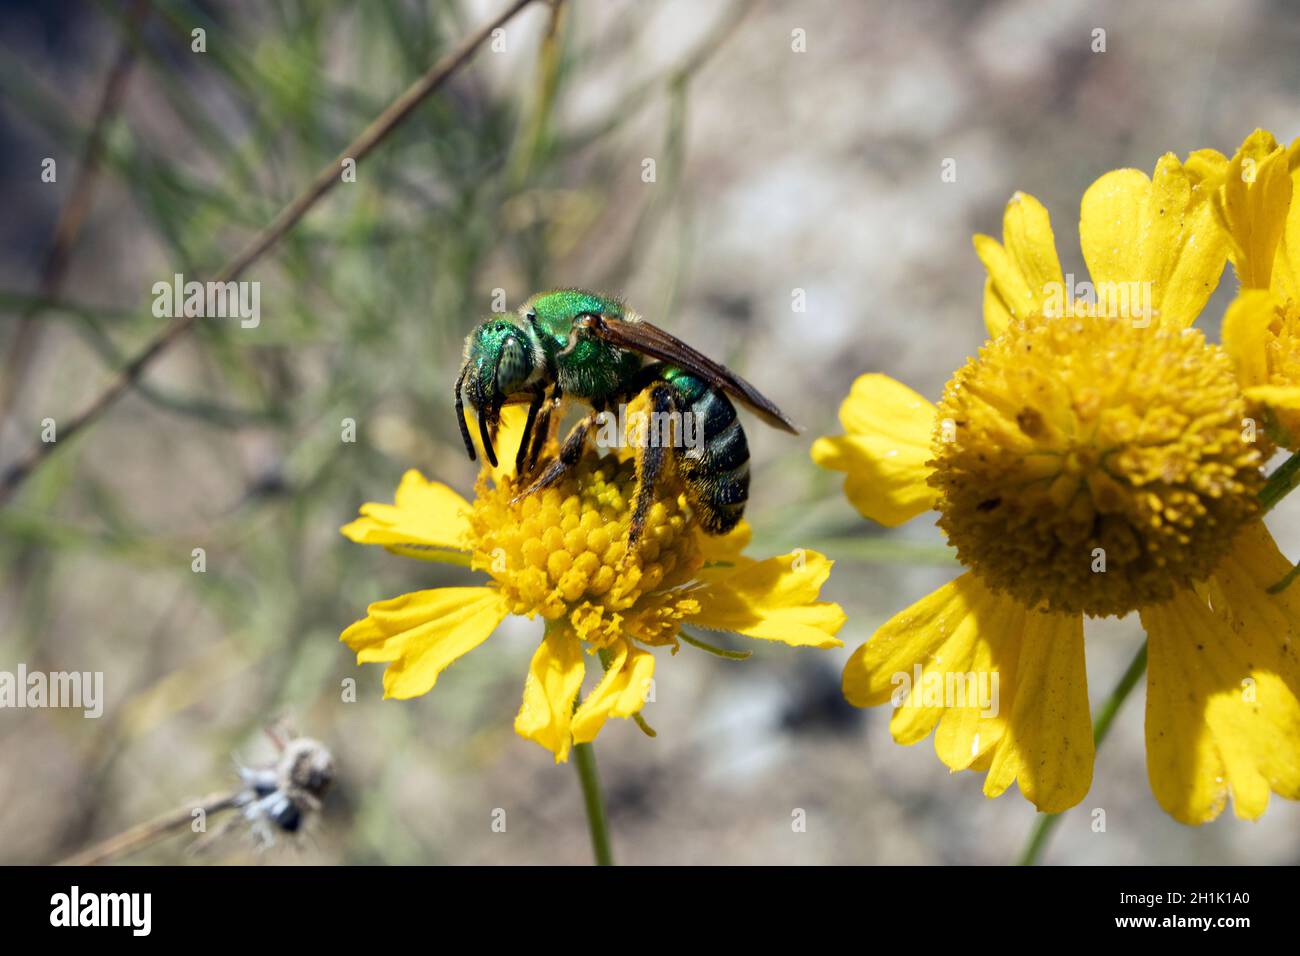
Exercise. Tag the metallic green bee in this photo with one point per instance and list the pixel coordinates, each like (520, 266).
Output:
(571, 345)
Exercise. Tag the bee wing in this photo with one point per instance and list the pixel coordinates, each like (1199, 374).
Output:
(641, 336)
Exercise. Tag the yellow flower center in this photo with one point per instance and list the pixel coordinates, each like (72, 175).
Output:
(562, 553)
(1087, 465)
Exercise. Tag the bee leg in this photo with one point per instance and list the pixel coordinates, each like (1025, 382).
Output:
(539, 437)
(570, 453)
(650, 460)
(542, 433)
(521, 456)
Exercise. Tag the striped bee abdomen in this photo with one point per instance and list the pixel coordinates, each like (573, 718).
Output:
(713, 456)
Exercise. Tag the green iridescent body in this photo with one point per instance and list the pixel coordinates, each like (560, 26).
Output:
(592, 370)
(570, 345)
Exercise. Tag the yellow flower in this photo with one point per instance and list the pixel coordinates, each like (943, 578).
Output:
(561, 554)
(1261, 329)
(1092, 460)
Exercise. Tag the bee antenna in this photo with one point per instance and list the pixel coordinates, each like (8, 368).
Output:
(460, 411)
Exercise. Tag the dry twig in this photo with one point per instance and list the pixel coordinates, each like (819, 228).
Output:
(288, 217)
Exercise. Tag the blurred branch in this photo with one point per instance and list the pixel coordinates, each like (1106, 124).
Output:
(678, 83)
(535, 140)
(90, 326)
(139, 837)
(71, 216)
(640, 96)
(536, 136)
(392, 117)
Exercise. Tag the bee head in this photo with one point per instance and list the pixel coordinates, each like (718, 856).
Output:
(499, 359)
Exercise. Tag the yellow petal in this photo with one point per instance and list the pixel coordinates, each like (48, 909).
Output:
(885, 450)
(984, 645)
(916, 636)
(422, 633)
(997, 314)
(1245, 334)
(1047, 748)
(773, 600)
(1110, 225)
(1160, 233)
(956, 658)
(1023, 270)
(621, 692)
(1222, 717)
(1253, 204)
(1275, 396)
(1208, 166)
(724, 548)
(936, 639)
(1184, 250)
(510, 433)
(1253, 565)
(1285, 279)
(1007, 295)
(1027, 236)
(554, 679)
(426, 520)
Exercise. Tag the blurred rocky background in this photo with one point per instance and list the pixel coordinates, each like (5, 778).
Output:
(775, 171)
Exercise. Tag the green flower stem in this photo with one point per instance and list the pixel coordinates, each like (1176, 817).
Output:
(584, 760)
(1100, 727)
(1281, 483)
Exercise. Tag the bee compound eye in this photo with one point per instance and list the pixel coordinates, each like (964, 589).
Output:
(513, 367)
